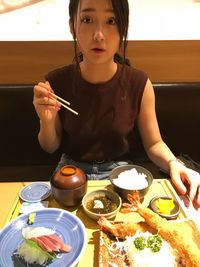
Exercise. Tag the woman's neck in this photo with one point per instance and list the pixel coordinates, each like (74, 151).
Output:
(98, 73)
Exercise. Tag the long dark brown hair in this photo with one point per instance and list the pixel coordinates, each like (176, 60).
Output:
(121, 11)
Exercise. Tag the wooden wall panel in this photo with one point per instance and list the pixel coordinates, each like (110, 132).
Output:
(164, 61)
(167, 60)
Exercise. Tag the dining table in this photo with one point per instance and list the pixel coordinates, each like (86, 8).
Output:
(10, 205)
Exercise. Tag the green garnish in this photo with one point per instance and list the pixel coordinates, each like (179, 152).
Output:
(140, 242)
(33, 244)
(31, 218)
(153, 242)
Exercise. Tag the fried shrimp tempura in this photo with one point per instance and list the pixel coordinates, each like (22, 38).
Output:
(171, 232)
(121, 229)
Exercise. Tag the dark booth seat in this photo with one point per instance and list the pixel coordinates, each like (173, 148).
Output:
(21, 158)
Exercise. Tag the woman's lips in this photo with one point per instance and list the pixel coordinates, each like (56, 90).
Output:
(98, 50)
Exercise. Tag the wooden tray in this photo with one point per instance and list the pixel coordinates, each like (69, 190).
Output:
(159, 187)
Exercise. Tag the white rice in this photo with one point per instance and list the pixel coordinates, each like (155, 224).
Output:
(131, 180)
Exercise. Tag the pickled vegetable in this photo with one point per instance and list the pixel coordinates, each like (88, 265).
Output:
(165, 206)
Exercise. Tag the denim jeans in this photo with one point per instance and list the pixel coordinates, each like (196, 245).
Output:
(94, 170)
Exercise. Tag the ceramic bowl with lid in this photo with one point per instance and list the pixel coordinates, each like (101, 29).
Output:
(69, 185)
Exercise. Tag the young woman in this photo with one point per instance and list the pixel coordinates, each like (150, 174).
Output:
(110, 96)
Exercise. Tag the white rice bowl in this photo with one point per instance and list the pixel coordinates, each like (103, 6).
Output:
(131, 180)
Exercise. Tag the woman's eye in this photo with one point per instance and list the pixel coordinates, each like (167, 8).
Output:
(86, 20)
(112, 21)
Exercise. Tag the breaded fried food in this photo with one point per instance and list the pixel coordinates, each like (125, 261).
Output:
(172, 233)
(182, 236)
(121, 229)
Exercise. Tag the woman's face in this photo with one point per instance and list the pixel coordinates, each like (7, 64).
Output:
(97, 31)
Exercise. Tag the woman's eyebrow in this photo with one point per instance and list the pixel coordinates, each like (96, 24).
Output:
(93, 10)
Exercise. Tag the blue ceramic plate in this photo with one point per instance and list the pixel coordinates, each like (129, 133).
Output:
(66, 225)
(35, 192)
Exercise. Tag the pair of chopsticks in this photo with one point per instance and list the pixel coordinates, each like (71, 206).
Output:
(63, 101)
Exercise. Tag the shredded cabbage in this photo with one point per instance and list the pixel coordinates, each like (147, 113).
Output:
(127, 251)
(32, 253)
(146, 257)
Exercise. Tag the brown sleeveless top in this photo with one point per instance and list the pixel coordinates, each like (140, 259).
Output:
(108, 111)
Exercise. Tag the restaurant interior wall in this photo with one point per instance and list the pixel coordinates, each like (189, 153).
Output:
(164, 61)
(164, 40)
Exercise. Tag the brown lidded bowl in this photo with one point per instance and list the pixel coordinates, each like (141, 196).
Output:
(127, 184)
(69, 185)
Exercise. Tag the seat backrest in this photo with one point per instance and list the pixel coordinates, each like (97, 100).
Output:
(178, 113)
(177, 107)
(19, 128)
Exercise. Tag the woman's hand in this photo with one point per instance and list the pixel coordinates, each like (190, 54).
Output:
(47, 109)
(45, 106)
(186, 181)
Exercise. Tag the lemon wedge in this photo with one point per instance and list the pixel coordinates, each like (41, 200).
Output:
(164, 205)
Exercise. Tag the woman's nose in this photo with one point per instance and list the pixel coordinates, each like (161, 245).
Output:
(98, 35)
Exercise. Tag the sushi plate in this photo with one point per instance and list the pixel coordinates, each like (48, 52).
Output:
(66, 225)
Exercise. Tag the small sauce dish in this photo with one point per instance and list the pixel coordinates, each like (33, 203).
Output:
(165, 206)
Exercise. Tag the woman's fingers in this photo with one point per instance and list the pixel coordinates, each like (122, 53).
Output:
(45, 106)
(41, 90)
(178, 182)
(194, 191)
(187, 182)
(197, 198)
(42, 96)
(50, 102)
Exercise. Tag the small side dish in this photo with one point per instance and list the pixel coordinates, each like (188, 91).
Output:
(101, 203)
(34, 192)
(165, 206)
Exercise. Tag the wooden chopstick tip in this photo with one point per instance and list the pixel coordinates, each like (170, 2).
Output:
(61, 101)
